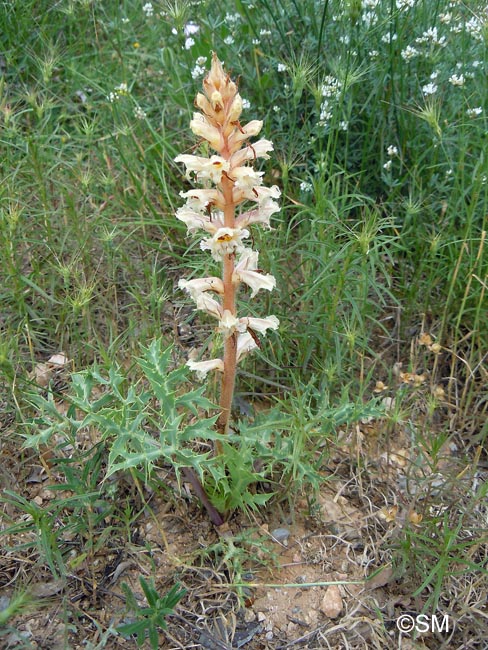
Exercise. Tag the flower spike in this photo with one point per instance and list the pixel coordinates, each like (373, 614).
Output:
(229, 180)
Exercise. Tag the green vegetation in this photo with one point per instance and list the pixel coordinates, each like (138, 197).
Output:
(378, 114)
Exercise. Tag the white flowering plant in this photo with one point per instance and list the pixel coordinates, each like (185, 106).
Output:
(230, 181)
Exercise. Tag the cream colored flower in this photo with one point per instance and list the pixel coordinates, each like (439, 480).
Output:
(202, 368)
(204, 168)
(245, 344)
(261, 324)
(229, 324)
(246, 270)
(202, 127)
(252, 151)
(260, 215)
(195, 220)
(240, 135)
(259, 194)
(246, 178)
(209, 305)
(197, 286)
(203, 199)
(225, 242)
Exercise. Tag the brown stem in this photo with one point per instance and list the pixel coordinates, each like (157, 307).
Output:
(215, 516)
(228, 302)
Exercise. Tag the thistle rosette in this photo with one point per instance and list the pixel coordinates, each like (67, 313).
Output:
(229, 181)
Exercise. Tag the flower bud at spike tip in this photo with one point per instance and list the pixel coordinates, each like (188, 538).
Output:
(229, 180)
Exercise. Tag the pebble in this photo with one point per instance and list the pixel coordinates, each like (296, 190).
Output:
(331, 604)
(249, 616)
(280, 535)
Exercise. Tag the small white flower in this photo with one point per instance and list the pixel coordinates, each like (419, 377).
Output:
(305, 186)
(429, 89)
(387, 165)
(405, 4)
(409, 53)
(232, 18)
(325, 113)
(139, 113)
(475, 26)
(474, 112)
(202, 368)
(229, 40)
(121, 89)
(276, 109)
(281, 67)
(148, 9)
(197, 71)
(189, 43)
(331, 87)
(369, 18)
(457, 80)
(246, 103)
(343, 125)
(191, 29)
(392, 151)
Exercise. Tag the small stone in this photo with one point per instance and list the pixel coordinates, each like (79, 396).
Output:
(249, 616)
(331, 604)
(280, 535)
(261, 617)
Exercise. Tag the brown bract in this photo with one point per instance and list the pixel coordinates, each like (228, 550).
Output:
(221, 103)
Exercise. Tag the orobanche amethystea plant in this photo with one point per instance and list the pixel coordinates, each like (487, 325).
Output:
(229, 180)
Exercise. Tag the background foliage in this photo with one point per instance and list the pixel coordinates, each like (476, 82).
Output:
(377, 111)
